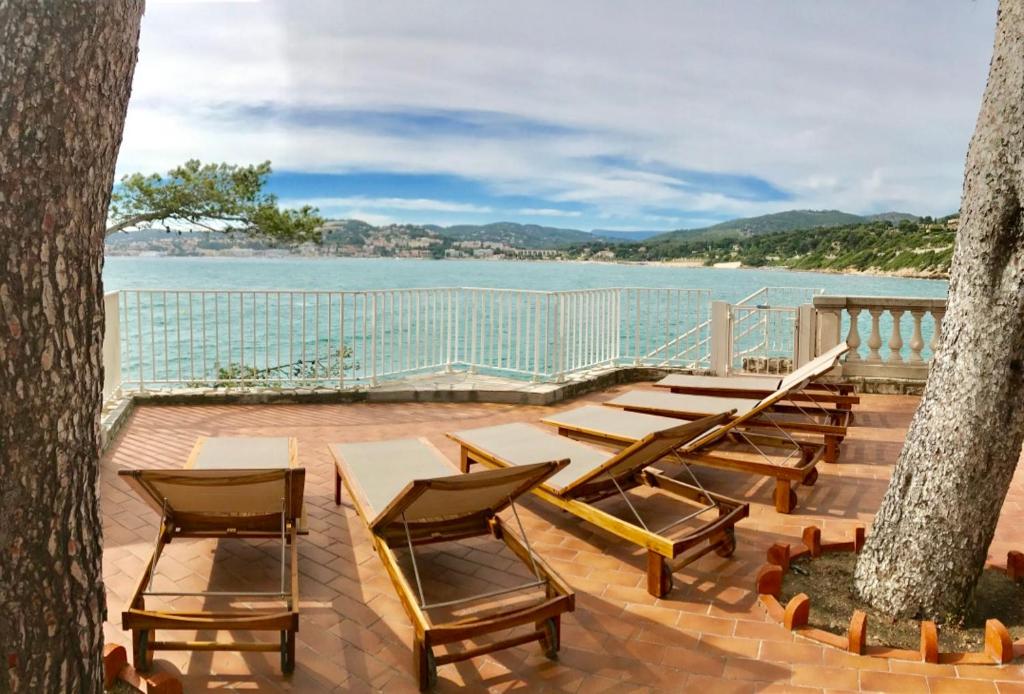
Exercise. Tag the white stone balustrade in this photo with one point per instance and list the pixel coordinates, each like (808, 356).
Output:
(841, 318)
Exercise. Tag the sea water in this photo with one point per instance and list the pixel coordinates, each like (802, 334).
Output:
(337, 274)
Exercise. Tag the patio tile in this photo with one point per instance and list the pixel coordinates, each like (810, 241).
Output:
(707, 635)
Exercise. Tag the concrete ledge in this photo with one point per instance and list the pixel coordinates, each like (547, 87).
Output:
(114, 415)
(440, 388)
(887, 386)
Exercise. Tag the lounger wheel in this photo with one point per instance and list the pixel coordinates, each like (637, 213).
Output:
(811, 478)
(727, 545)
(287, 652)
(550, 643)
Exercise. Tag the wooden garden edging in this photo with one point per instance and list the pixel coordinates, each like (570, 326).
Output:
(999, 647)
(116, 667)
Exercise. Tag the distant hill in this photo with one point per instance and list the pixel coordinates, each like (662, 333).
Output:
(513, 234)
(346, 231)
(625, 235)
(893, 217)
(791, 220)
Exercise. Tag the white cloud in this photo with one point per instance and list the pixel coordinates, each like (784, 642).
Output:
(547, 212)
(370, 217)
(814, 97)
(412, 204)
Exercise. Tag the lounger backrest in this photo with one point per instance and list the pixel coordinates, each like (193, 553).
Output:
(815, 368)
(647, 451)
(794, 381)
(444, 501)
(222, 499)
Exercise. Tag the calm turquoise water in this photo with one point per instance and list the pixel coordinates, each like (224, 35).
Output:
(386, 273)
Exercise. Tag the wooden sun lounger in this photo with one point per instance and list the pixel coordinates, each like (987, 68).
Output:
(409, 494)
(230, 488)
(624, 428)
(840, 395)
(770, 412)
(594, 474)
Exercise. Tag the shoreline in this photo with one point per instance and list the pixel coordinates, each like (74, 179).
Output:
(906, 273)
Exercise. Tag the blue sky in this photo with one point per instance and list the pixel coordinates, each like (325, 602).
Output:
(583, 114)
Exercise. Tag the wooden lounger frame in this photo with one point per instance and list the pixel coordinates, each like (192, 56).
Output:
(664, 554)
(829, 422)
(832, 430)
(803, 471)
(283, 525)
(841, 395)
(386, 533)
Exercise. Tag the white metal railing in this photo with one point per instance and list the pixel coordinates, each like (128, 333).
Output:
(764, 328)
(764, 338)
(209, 338)
(159, 339)
(667, 327)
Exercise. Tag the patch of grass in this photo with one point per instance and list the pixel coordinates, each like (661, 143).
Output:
(828, 581)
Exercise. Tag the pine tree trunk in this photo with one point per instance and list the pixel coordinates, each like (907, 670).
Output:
(65, 76)
(930, 539)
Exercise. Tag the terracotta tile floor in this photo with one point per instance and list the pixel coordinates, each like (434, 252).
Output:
(709, 635)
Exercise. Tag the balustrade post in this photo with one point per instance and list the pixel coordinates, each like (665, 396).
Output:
(829, 329)
(536, 336)
(853, 336)
(558, 338)
(895, 339)
(721, 337)
(916, 340)
(473, 331)
(636, 330)
(937, 315)
(449, 335)
(373, 338)
(806, 330)
(875, 339)
(341, 337)
(111, 346)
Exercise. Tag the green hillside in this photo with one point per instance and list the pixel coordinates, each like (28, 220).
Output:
(922, 247)
(769, 223)
(878, 246)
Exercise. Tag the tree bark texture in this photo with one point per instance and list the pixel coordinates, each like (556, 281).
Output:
(930, 538)
(65, 76)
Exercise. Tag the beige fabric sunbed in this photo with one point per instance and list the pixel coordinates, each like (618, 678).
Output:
(593, 474)
(726, 447)
(408, 494)
(230, 488)
(840, 395)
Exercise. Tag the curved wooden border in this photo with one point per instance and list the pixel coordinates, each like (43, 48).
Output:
(999, 646)
(116, 667)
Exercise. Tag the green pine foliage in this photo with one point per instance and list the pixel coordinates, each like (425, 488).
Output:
(210, 197)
